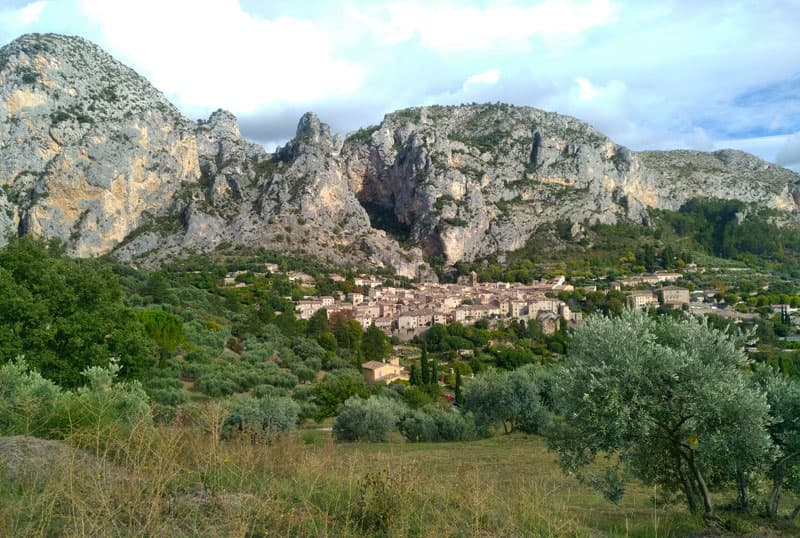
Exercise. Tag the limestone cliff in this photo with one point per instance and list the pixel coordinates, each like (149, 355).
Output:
(471, 180)
(92, 154)
(88, 148)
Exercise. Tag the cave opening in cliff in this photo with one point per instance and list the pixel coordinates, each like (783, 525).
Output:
(383, 218)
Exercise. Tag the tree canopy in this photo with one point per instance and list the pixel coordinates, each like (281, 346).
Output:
(66, 315)
(668, 396)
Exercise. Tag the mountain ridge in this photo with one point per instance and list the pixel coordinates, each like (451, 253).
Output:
(94, 155)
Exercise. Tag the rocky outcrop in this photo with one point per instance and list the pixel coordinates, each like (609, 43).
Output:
(88, 148)
(92, 154)
(471, 180)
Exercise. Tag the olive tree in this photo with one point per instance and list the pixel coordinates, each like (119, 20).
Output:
(262, 418)
(784, 400)
(507, 399)
(669, 397)
(372, 419)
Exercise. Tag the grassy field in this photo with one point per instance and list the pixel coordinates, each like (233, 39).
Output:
(182, 482)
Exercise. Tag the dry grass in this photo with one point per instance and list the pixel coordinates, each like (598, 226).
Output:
(185, 482)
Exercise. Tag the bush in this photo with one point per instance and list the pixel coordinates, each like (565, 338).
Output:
(103, 402)
(507, 399)
(372, 419)
(27, 400)
(262, 391)
(334, 389)
(261, 418)
(436, 424)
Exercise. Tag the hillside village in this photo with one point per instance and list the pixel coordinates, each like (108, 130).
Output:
(408, 312)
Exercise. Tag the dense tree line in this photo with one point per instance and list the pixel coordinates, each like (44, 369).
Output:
(65, 315)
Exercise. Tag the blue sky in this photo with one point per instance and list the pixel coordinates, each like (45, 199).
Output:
(651, 75)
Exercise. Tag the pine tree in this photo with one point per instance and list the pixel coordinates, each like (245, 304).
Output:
(459, 392)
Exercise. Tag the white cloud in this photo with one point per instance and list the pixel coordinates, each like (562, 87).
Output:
(445, 28)
(31, 13)
(14, 20)
(789, 152)
(586, 90)
(783, 150)
(489, 77)
(206, 54)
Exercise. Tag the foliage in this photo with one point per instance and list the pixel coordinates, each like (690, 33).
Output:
(508, 399)
(335, 389)
(669, 397)
(229, 376)
(730, 229)
(367, 420)
(261, 418)
(375, 345)
(104, 402)
(433, 424)
(66, 315)
(27, 400)
(783, 396)
(164, 329)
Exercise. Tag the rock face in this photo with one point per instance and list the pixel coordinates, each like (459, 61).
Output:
(87, 146)
(472, 180)
(92, 154)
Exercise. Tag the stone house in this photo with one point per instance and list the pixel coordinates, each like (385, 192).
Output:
(674, 296)
(642, 299)
(549, 322)
(387, 371)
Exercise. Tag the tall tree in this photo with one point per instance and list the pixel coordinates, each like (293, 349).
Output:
(375, 345)
(784, 399)
(433, 372)
(318, 323)
(669, 397)
(414, 376)
(459, 391)
(65, 314)
(424, 367)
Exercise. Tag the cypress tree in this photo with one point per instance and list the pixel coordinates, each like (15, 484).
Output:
(459, 392)
(414, 376)
(423, 364)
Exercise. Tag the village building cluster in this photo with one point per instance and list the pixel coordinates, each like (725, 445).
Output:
(406, 313)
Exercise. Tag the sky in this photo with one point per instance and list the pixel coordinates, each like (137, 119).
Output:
(670, 74)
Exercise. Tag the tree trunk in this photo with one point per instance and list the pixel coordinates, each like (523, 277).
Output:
(741, 485)
(795, 513)
(708, 506)
(688, 488)
(774, 497)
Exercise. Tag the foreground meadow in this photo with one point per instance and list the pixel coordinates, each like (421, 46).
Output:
(182, 481)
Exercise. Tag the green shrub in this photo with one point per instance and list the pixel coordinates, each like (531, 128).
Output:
(104, 402)
(27, 400)
(436, 424)
(261, 418)
(372, 419)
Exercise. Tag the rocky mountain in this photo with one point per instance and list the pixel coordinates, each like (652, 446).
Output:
(92, 154)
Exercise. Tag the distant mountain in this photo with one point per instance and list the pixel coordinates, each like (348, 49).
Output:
(93, 154)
